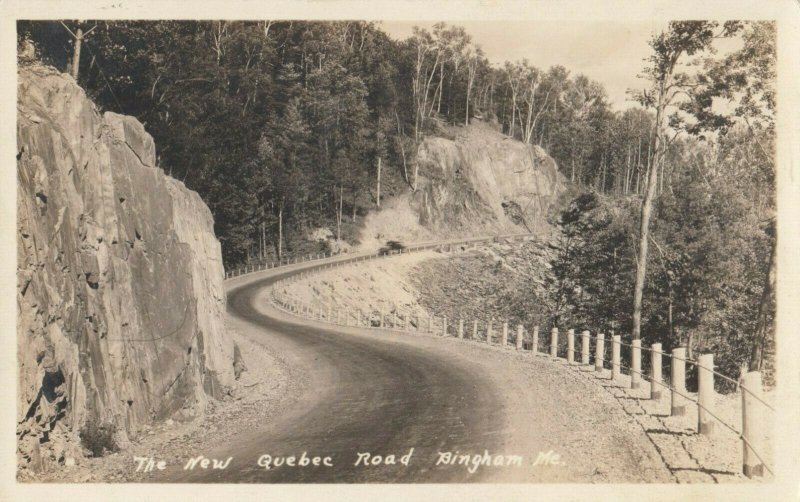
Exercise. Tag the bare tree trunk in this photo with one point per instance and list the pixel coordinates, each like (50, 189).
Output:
(472, 70)
(339, 216)
(647, 208)
(603, 181)
(280, 231)
(763, 326)
(441, 86)
(405, 167)
(416, 174)
(379, 183)
(76, 53)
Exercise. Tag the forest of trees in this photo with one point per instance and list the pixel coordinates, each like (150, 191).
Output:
(258, 116)
(283, 127)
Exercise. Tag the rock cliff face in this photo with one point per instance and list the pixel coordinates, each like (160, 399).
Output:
(481, 182)
(484, 178)
(119, 279)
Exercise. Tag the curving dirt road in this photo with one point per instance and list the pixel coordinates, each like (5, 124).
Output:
(385, 393)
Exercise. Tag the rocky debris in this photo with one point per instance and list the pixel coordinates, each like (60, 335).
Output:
(120, 295)
(370, 286)
(504, 282)
(480, 182)
(327, 240)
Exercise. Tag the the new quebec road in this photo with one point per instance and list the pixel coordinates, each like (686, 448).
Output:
(386, 393)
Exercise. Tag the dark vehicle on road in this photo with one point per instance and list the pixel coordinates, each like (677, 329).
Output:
(390, 247)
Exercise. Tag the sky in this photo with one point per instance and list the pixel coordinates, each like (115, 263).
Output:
(610, 52)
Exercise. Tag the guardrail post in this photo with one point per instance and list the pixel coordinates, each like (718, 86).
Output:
(615, 345)
(585, 347)
(554, 342)
(347, 316)
(394, 319)
(489, 332)
(381, 320)
(599, 350)
(752, 426)
(656, 384)
(570, 346)
(705, 394)
(519, 337)
(504, 340)
(535, 341)
(461, 329)
(678, 377)
(474, 330)
(430, 324)
(329, 313)
(444, 325)
(636, 364)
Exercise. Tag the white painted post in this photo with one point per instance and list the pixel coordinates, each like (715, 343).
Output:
(570, 346)
(474, 330)
(636, 364)
(554, 342)
(678, 374)
(705, 394)
(585, 347)
(504, 341)
(347, 316)
(328, 318)
(381, 324)
(461, 329)
(394, 319)
(489, 332)
(519, 337)
(752, 425)
(444, 325)
(615, 346)
(535, 341)
(656, 385)
(599, 349)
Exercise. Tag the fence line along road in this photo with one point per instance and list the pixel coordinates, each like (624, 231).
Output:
(753, 422)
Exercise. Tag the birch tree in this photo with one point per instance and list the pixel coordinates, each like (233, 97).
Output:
(666, 86)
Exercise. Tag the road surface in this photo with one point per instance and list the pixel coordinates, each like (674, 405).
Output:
(386, 393)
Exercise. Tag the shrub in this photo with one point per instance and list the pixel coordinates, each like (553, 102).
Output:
(98, 438)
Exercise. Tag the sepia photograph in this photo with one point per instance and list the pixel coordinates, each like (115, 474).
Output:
(320, 250)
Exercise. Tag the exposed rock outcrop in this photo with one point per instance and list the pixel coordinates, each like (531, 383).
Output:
(119, 278)
(481, 182)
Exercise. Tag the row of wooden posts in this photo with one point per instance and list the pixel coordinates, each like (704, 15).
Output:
(267, 265)
(750, 384)
(707, 420)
